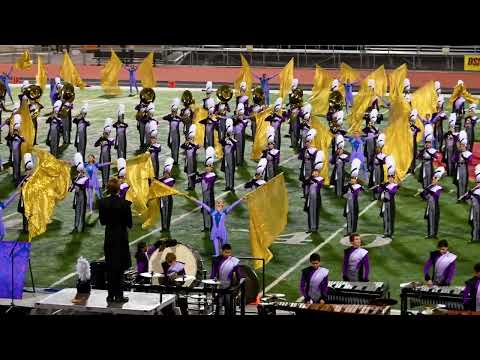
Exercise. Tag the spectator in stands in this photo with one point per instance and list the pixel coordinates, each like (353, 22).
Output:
(5, 78)
(132, 72)
(265, 86)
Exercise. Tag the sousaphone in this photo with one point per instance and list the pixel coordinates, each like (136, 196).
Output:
(258, 96)
(147, 95)
(67, 92)
(335, 100)
(187, 98)
(296, 97)
(34, 92)
(224, 93)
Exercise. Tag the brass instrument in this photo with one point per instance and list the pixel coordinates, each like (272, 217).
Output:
(33, 92)
(336, 101)
(224, 93)
(296, 97)
(147, 95)
(187, 98)
(258, 96)
(67, 92)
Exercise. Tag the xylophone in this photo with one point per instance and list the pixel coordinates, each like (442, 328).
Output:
(345, 292)
(311, 309)
(413, 296)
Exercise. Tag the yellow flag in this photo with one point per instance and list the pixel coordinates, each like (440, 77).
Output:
(347, 73)
(41, 78)
(398, 137)
(260, 142)
(27, 130)
(200, 114)
(69, 72)
(321, 80)
(47, 186)
(145, 72)
(245, 75)
(139, 171)
(395, 80)
(110, 73)
(380, 78)
(157, 190)
(23, 62)
(286, 78)
(268, 216)
(362, 102)
(460, 90)
(425, 99)
(321, 90)
(322, 141)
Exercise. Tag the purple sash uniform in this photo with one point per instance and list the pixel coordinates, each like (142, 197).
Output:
(223, 269)
(432, 213)
(443, 268)
(166, 204)
(276, 122)
(471, 294)
(173, 135)
(356, 266)
(314, 284)
(190, 167)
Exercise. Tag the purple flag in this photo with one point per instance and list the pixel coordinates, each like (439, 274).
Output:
(21, 254)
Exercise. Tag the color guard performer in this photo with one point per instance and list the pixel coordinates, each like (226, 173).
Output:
(81, 133)
(166, 202)
(228, 161)
(122, 173)
(387, 193)
(377, 176)
(210, 124)
(276, 120)
(462, 160)
(29, 167)
(350, 193)
(339, 160)
(427, 155)
(431, 194)
(154, 148)
(105, 142)
(313, 198)
(356, 265)
(79, 185)
(450, 146)
(272, 155)
(258, 180)
(239, 125)
(307, 155)
(191, 149)
(473, 197)
(470, 122)
(207, 180)
(314, 282)
(16, 140)
(174, 129)
(55, 129)
(91, 167)
(471, 293)
(443, 263)
(121, 133)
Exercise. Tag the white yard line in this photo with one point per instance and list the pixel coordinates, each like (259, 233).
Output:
(156, 230)
(307, 257)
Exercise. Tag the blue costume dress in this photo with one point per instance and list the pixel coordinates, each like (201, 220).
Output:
(93, 183)
(3, 205)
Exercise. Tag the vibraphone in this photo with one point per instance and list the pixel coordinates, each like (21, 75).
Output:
(312, 309)
(450, 296)
(344, 292)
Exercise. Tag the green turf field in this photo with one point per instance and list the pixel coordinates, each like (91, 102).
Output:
(55, 252)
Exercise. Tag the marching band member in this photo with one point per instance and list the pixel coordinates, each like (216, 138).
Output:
(350, 193)
(122, 172)
(314, 282)
(208, 90)
(406, 90)
(356, 265)
(336, 128)
(79, 184)
(207, 180)
(438, 88)
(142, 259)
(313, 198)
(121, 133)
(81, 133)
(221, 115)
(450, 145)
(242, 98)
(219, 214)
(377, 176)
(307, 155)
(458, 108)
(174, 129)
(225, 268)
(2, 109)
(8, 122)
(151, 124)
(28, 164)
(358, 152)
(431, 194)
(186, 113)
(154, 149)
(387, 193)
(271, 154)
(473, 196)
(370, 133)
(427, 155)
(66, 117)
(191, 149)
(276, 120)
(144, 113)
(55, 89)
(470, 122)
(462, 159)
(93, 186)
(228, 161)
(337, 177)
(335, 100)
(166, 202)
(414, 130)
(105, 142)
(438, 118)
(239, 125)
(374, 105)
(210, 124)
(304, 117)
(23, 96)
(55, 129)
(258, 180)
(471, 293)
(16, 140)
(443, 263)
(171, 267)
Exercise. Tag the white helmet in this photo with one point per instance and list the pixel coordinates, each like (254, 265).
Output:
(28, 161)
(84, 109)
(151, 108)
(122, 167)
(319, 158)
(243, 86)
(167, 167)
(152, 129)
(208, 87)
(335, 85)
(294, 84)
(462, 137)
(339, 141)
(107, 127)
(25, 84)
(78, 161)
(381, 140)
(175, 104)
(229, 125)
(310, 135)
(406, 84)
(262, 164)
(121, 109)
(371, 83)
(390, 162)
(17, 121)
(57, 105)
(355, 167)
(438, 173)
(278, 103)
(460, 82)
(270, 135)
(210, 104)
(240, 108)
(452, 120)
(209, 156)
(373, 114)
(191, 131)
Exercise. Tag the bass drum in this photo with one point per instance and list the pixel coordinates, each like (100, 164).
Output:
(185, 253)
(252, 287)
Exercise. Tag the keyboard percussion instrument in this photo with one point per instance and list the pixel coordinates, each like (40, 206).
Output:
(346, 292)
(317, 309)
